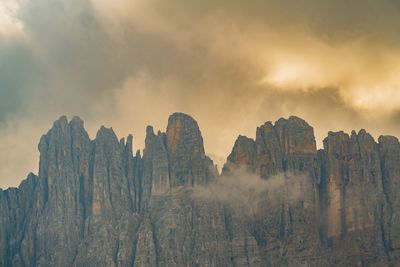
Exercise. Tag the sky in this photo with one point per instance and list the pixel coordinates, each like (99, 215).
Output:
(230, 64)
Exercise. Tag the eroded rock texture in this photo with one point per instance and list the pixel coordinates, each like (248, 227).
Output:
(96, 203)
(287, 231)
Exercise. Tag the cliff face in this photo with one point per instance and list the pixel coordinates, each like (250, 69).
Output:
(288, 230)
(95, 203)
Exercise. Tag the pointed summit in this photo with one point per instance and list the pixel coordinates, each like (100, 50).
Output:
(183, 136)
(296, 136)
(59, 146)
(62, 121)
(188, 163)
(242, 155)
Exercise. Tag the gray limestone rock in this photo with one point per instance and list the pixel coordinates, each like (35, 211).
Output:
(188, 163)
(96, 203)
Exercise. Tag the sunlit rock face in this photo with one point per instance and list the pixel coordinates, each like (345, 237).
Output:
(352, 198)
(278, 201)
(389, 149)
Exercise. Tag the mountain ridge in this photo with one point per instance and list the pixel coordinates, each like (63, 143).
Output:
(94, 202)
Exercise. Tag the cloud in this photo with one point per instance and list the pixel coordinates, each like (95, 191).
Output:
(308, 46)
(232, 65)
(248, 193)
(10, 25)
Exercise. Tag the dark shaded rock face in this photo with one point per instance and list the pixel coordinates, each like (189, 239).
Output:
(95, 203)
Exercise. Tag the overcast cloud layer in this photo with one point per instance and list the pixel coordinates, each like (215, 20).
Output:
(230, 64)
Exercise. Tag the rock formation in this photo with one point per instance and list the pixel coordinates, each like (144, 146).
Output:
(96, 203)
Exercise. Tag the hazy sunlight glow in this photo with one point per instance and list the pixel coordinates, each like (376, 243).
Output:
(10, 25)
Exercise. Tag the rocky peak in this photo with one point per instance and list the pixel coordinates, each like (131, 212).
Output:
(155, 163)
(340, 143)
(57, 148)
(106, 134)
(183, 136)
(77, 122)
(242, 155)
(62, 122)
(276, 147)
(149, 130)
(184, 143)
(269, 151)
(366, 142)
(336, 143)
(129, 142)
(388, 141)
(296, 136)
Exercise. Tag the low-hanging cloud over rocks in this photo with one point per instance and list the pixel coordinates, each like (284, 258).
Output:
(247, 193)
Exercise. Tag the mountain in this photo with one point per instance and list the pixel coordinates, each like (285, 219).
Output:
(277, 202)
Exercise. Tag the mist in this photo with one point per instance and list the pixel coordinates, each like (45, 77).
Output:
(249, 194)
